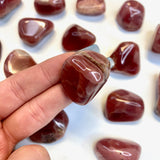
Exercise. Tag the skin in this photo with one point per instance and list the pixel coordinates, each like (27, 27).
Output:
(28, 101)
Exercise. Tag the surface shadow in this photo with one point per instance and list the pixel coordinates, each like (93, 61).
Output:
(121, 76)
(87, 18)
(52, 17)
(153, 57)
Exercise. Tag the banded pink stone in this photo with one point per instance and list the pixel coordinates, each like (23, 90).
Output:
(117, 149)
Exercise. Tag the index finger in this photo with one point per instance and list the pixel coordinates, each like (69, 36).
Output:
(23, 86)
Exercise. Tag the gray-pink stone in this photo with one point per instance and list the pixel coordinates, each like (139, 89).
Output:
(91, 7)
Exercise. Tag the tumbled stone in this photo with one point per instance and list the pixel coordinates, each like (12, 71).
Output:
(76, 38)
(6, 6)
(16, 61)
(52, 131)
(33, 30)
(156, 40)
(157, 109)
(117, 149)
(123, 105)
(49, 7)
(83, 75)
(130, 16)
(126, 59)
(91, 7)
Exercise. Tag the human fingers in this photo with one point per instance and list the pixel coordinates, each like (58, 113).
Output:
(21, 87)
(35, 114)
(30, 152)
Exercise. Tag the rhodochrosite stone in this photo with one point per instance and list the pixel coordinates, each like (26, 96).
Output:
(7, 6)
(83, 75)
(49, 7)
(123, 105)
(156, 42)
(90, 7)
(76, 38)
(16, 61)
(117, 149)
(126, 58)
(53, 131)
(33, 30)
(131, 15)
(157, 109)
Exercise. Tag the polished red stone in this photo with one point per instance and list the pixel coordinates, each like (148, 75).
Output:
(117, 149)
(52, 131)
(49, 7)
(123, 105)
(156, 41)
(130, 16)
(33, 30)
(83, 75)
(91, 7)
(126, 58)
(157, 109)
(76, 38)
(16, 61)
(6, 6)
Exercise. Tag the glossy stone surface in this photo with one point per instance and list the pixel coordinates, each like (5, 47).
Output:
(6, 6)
(49, 7)
(33, 30)
(76, 38)
(52, 131)
(157, 109)
(123, 105)
(83, 75)
(126, 58)
(90, 7)
(16, 61)
(156, 41)
(117, 149)
(130, 16)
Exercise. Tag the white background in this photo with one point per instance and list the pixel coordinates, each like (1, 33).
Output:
(87, 123)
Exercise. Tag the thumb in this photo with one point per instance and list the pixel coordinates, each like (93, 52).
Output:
(30, 152)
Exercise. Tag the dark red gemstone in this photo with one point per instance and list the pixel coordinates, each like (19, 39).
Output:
(33, 30)
(117, 149)
(76, 38)
(91, 7)
(52, 131)
(157, 109)
(16, 61)
(126, 58)
(123, 105)
(49, 7)
(6, 6)
(83, 75)
(131, 15)
(156, 41)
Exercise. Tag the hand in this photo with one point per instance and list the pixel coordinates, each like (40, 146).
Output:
(28, 101)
